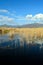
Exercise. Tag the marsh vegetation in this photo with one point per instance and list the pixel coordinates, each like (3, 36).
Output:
(28, 35)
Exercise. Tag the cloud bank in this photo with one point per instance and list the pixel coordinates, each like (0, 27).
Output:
(6, 20)
(38, 18)
(18, 20)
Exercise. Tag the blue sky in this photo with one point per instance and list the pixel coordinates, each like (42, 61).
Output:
(19, 12)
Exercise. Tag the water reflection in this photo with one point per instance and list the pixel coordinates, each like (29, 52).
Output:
(18, 41)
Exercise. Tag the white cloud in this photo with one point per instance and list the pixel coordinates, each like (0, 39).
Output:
(28, 17)
(36, 18)
(6, 20)
(4, 11)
